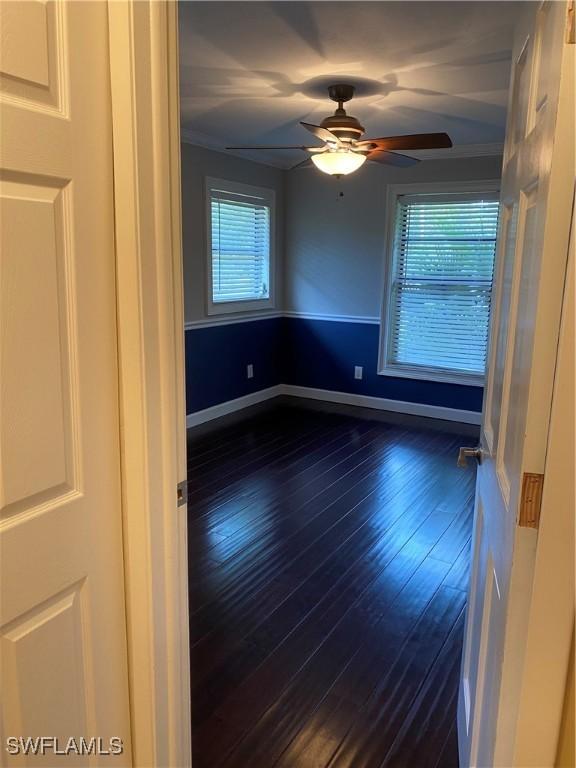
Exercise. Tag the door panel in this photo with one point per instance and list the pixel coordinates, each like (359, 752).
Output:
(32, 56)
(492, 648)
(50, 632)
(519, 102)
(525, 319)
(517, 368)
(62, 617)
(37, 468)
(475, 610)
(500, 306)
(545, 38)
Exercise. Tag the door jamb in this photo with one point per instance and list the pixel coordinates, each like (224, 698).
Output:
(143, 38)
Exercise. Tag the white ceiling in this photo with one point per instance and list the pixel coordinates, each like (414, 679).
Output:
(250, 71)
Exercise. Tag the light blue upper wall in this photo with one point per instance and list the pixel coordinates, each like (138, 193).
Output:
(329, 249)
(334, 246)
(197, 164)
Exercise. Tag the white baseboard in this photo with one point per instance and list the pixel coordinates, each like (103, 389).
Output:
(384, 404)
(230, 406)
(327, 395)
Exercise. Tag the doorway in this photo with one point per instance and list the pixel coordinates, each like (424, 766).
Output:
(317, 317)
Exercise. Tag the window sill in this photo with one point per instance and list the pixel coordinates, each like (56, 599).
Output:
(405, 372)
(238, 307)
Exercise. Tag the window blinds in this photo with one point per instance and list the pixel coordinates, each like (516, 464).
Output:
(240, 232)
(442, 281)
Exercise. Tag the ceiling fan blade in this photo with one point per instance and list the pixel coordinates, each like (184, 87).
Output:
(308, 149)
(302, 164)
(414, 141)
(392, 158)
(321, 133)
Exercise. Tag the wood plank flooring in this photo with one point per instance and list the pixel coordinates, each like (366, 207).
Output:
(328, 566)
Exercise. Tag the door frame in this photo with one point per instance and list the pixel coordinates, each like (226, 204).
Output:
(143, 39)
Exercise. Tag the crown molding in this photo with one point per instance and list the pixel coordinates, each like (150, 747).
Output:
(199, 139)
(459, 151)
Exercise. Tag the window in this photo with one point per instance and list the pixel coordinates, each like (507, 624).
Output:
(240, 227)
(439, 285)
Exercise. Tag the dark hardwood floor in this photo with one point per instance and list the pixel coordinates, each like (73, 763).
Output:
(328, 567)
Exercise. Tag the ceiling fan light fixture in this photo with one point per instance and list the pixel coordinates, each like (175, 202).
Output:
(338, 162)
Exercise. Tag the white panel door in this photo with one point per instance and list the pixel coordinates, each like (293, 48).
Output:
(534, 227)
(62, 616)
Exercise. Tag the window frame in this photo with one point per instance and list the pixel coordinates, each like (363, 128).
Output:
(385, 366)
(238, 306)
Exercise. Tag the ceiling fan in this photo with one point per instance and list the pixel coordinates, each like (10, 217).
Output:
(344, 151)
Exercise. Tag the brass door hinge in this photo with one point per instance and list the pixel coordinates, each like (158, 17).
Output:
(182, 493)
(531, 500)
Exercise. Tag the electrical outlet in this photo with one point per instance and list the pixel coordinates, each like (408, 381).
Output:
(249, 371)
(358, 371)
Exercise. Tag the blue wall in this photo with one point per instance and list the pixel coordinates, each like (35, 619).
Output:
(217, 356)
(323, 353)
(307, 353)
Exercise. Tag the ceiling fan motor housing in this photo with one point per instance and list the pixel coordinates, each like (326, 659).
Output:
(342, 125)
